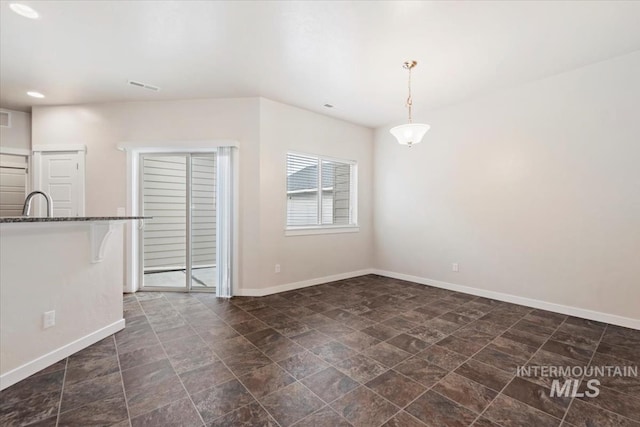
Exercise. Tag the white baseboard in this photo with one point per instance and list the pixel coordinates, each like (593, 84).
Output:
(21, 372)
(529, 302)
(260, 292)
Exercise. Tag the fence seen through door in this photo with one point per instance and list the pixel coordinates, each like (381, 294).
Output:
(179, 243)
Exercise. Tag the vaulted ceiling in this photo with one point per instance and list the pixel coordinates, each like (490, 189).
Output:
(303, 53)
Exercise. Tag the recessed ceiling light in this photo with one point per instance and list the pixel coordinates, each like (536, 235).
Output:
(35, 94)
(24, 10)
(143, 85)
(328, 105)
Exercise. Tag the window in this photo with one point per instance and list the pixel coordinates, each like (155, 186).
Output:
(13, 183)
(331, 206)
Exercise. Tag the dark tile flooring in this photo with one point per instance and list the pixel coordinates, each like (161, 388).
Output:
(368, 351)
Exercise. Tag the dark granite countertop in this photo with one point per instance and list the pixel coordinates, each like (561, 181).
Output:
(14, 219)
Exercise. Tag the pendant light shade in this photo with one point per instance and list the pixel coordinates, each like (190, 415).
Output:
(411, 133)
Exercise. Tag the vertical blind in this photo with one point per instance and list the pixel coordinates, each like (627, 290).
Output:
(224, 235)
(164, 198)
(307, 204)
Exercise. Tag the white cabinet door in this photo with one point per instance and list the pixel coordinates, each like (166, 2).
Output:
(61, 175)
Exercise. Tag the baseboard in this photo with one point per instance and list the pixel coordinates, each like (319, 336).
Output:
(529, 302)
(18, 374)
(260, 292)
(500, 296)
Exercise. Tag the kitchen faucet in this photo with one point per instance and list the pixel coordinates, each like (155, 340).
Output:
(27, 203)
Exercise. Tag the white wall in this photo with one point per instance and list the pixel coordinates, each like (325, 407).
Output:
(262, 129)
(101, 127)
(19, 134)
(284, 128)
(534, 191)
(37, 277)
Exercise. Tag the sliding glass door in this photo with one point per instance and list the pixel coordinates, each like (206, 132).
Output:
(178, 250)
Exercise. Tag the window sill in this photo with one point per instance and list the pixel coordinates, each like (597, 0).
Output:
(306, 231)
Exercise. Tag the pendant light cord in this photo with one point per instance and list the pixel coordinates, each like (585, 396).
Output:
(409, 99)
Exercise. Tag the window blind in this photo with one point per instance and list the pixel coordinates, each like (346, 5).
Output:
(309, 205)
(13, 184)
(336, 192)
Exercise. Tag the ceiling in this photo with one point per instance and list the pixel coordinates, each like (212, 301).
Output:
(302, 53)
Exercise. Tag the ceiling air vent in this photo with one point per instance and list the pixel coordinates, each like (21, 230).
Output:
(5, 119)
(143, 85)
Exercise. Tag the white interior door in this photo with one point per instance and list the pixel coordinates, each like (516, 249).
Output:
(61, 175)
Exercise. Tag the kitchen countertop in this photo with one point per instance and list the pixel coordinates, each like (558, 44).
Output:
(18, 219)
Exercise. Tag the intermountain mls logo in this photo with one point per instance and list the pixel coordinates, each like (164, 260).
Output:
(567, 379)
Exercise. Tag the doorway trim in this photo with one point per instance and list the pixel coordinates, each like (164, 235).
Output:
(133, 151)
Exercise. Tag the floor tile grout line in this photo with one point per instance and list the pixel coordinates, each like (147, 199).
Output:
(64, 378)
(317, 411)
(430, 388)
(475, 319)
(172, 367)
(360, 384)
(528, 360)
(124, 391)
(252, 395)
(604, 330)
(227, 367)
(326, 404)
(86, 380)
(465, 361)
(435, 344)
(214, 352)
(277, 364)
(301, 383)
(411, 355)
(402, 409)
(285, 305)
(454, 309)
(632, 420)
(450, 334)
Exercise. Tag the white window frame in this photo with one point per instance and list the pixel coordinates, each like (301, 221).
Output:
(304, 230)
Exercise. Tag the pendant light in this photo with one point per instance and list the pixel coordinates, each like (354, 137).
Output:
(411, 133)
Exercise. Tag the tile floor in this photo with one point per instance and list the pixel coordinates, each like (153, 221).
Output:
(368, 351)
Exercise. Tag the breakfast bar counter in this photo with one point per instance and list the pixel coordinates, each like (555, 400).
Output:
(61, 283)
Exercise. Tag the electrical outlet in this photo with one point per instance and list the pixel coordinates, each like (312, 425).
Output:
(454, 267)
(48, 319)
(277, 269)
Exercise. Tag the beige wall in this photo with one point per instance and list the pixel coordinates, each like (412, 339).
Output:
(250, 121)
(534, 191)
(48, 266)
(284, 128)
(19, 134)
